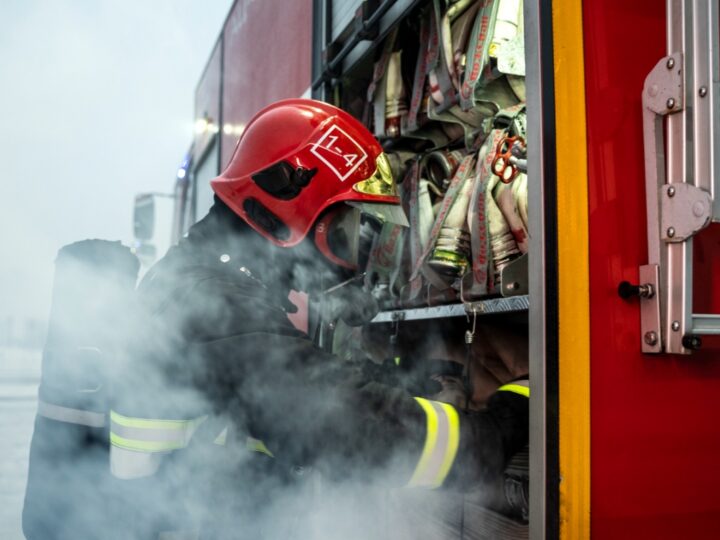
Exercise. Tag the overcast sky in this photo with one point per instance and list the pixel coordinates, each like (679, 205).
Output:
(96, 104)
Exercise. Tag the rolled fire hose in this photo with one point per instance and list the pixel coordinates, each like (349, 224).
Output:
(502, 242)
(520, 190)
(508, 205)
(395, 102)
(451, 253)
(506, 23)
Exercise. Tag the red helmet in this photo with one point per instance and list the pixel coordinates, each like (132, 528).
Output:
(296, 158)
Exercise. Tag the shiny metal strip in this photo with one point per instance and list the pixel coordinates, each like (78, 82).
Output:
(180, 436)
(480, 307)
(706, 84)
(70, 416)
(676, 270)
(706, 325)
(536, 268)
(130, 464)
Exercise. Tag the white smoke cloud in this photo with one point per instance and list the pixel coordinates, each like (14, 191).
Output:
(340, 486)
(90, 114)
(96, 104)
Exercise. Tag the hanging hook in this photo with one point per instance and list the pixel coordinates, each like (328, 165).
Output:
(466, 376)
(394, 340)
(470, 334)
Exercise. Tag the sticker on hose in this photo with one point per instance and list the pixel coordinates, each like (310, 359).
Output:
(340, 152)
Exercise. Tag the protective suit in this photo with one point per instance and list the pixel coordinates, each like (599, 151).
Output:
(222, 406)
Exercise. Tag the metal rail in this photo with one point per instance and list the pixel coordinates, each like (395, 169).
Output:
(481, 307)
(680, 122)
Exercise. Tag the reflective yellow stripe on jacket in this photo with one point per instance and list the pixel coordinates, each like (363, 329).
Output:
(443, 437)
(137, 445)
(256, 445)
(521, 387)
(251, 444)
(441, 444)
(151, 435)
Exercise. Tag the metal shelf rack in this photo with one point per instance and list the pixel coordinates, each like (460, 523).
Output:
(481, 307)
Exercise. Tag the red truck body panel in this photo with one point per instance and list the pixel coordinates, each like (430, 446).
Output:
(268, 53)
(207, 101)
(655, 439)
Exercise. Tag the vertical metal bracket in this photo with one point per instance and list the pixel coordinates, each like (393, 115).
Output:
(650, 310)
(680, 130)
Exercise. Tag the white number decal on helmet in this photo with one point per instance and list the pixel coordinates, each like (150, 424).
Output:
(340, 152)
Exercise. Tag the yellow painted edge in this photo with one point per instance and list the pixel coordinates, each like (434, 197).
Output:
(573, 269)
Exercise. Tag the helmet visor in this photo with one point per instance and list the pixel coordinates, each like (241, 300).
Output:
(380, 184)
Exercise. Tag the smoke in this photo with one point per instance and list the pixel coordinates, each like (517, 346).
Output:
(90, 117)
(97, 105)
(205, 342)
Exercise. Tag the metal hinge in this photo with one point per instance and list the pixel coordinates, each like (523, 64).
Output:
(684, 211)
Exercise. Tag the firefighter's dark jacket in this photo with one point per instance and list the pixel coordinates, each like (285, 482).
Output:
(213, 340)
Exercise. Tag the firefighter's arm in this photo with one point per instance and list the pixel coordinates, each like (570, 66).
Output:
(464, 449)
(310, 408)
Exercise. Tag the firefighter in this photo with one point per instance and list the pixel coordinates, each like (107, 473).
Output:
(215, 368)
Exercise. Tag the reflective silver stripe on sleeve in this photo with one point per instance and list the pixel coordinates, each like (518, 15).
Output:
(130, 464)
(70, 416)
(181, 437)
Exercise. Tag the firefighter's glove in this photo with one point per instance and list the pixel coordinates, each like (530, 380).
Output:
(418, 377)
(351, 303)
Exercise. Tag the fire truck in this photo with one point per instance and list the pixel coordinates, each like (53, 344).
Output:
(606, 111)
